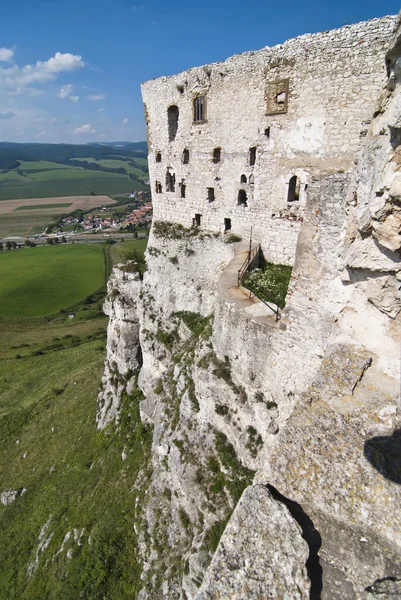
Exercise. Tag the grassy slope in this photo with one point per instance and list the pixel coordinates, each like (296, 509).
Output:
(74, 475)
(119, 250)
(23, 223)
(42, 280)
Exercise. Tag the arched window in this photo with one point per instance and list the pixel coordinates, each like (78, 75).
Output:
(217, 155)
(243, 179)
(251, 179)
(159, 188)
(242, 198)
(172, 115)
(170, 182)
(293, 189)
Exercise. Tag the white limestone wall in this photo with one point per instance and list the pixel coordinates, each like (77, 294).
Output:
(334, 80)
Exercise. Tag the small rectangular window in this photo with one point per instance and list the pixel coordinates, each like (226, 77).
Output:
(196, 221)
(252, 156)
(227, 224)
(210, 194)
(183, 189)
(200, 109)
(158, 157)
(217, 155)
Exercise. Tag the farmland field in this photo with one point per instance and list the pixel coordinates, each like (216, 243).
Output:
(41, 281)
(77, 183)
(44, 206)
(17, 218)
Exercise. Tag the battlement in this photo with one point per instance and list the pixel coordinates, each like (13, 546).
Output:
(236, 144)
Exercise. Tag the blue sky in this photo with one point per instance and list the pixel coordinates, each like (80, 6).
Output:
(70, 71)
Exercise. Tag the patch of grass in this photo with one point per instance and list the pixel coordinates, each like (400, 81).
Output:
(194, 321)
(166, 338)
(231, 238)
(270, 283)
(43, 206)
(213, 535)
(254, 442)
(41, 281)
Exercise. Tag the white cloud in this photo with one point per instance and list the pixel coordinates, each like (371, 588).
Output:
(6, 114)
(16, 80)
(96, 97)
(65, 91)
(125, 121)
(85, 129)
(42, 134)
(6, 54)
(74, 99)
(100, 110)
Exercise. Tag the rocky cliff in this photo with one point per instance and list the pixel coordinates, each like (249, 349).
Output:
(276, 464)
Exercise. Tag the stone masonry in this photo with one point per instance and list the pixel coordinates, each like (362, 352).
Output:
(236, 144)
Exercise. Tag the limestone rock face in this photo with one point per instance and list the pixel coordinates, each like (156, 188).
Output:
(262, 555)
(294, 425)
(123, 354)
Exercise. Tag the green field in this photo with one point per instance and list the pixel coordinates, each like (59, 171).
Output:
(121, 249)
(24, 223)
(80, 184)
(117, 164)
(40, 281)
(29, 165)
(44, 206)
(73, 475)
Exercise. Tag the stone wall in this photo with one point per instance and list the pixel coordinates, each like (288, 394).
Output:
(326, 86)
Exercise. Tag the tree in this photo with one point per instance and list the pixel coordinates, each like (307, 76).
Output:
(14, 245)
(63, 240)
(49, 241)
(1, 246)
(8, 245)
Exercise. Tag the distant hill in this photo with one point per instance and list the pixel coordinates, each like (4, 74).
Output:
(11, 153)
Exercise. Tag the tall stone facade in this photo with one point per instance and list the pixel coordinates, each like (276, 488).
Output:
(236, 144)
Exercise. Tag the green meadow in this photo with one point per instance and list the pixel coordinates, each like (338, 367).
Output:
(41, 281)
(71, 482)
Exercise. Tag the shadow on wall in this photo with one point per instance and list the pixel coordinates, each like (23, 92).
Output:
(384, 454)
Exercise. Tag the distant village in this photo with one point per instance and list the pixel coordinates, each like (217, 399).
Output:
(93, 222)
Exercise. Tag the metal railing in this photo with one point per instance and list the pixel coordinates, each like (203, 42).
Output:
(253, 254)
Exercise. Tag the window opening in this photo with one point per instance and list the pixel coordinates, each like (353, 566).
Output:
(196, 221)
(252, 156)
(158, 157)
(185, 156)
(227, 224)
(210, 194)
(251, 179)
(242, 198)
(172, 116)
(277, 97)
(243, 179)
(217, 155)
(293, 189)
(170, 182)
(159, 188)
(200, 109)
(267, 132)
(182, 189)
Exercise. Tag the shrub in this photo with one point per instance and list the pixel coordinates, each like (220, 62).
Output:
(174, 260)
(232, 238)
(221, 409)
